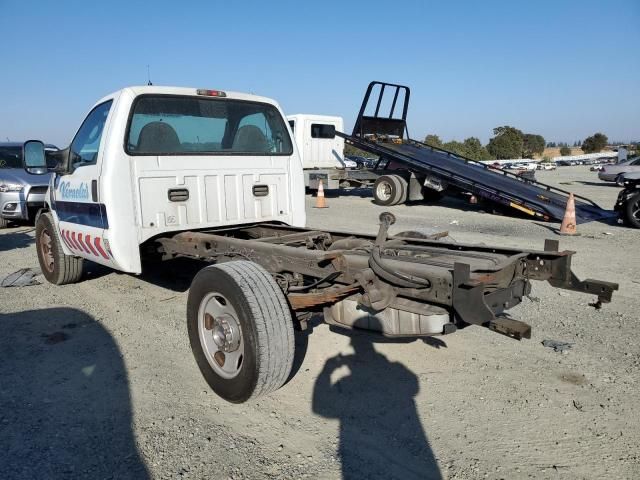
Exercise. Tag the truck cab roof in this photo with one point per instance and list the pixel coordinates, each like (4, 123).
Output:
(136, 91)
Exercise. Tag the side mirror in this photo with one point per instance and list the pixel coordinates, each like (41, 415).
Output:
(33, 158)
(61, 159)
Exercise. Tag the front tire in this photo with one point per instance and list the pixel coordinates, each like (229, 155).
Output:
(620, 180)
(57, 268)
(632, 211)
(4, 223)
(240, 329)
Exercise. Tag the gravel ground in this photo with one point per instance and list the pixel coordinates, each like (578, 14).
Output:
(97, 379)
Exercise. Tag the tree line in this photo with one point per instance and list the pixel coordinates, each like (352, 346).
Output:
(509, 142)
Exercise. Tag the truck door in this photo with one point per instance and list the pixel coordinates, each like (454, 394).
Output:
(82, 218)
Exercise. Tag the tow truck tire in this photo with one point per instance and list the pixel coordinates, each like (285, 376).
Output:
(57, 268)
(632, 211)
(389, 190)
(4, 222)
(236, 311)
(403, 190)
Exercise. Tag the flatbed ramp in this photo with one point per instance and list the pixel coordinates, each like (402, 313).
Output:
(387, 137)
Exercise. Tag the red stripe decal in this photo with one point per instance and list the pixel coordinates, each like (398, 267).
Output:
(68, 237)
(64, 240)
(67, 240)
(75, 242)
(87, 241)
(84, 247)
(65, 236)
(96, 241)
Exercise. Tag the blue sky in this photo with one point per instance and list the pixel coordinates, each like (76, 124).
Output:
(563, 69)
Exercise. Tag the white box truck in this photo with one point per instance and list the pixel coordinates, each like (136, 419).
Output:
(322, 153)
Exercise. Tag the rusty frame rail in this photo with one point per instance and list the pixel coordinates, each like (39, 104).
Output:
(478, 284)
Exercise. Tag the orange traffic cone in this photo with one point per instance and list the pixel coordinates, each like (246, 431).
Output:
(568, 226)
(320, 201)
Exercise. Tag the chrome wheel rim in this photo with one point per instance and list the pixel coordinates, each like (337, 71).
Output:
(46, 250)
(383, 191)
(220, 335)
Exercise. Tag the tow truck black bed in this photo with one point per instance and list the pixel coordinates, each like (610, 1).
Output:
(385, 136)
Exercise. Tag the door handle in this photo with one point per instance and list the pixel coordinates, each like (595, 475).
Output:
(178, 194)
(94, 190)
(260, 190)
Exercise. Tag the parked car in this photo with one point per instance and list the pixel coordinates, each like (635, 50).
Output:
(628, 203)
(614, 173)
(361, 162)
(597, 167)
(527, 166)
(563, 163)
(546, 166)
(348, 163)
(21, 193)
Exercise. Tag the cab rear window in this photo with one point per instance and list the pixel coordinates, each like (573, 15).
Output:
(182, 125)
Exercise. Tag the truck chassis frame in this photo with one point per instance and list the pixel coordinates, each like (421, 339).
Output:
(317, 268)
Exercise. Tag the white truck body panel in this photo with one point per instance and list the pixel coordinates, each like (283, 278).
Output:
(132, 203)
(317, 152)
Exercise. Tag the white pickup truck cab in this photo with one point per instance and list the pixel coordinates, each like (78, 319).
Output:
(150, 160)
(166, 172)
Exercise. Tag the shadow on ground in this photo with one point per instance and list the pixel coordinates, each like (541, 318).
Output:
(381, 435)
(596, 184)
(18, 239)
(175, 275)
(65, 410)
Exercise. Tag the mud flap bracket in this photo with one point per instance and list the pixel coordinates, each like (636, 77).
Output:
(468, 301)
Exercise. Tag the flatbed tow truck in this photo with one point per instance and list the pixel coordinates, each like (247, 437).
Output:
(164, 172)
(411, 170)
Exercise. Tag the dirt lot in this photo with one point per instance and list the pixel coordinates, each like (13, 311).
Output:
(97, 379)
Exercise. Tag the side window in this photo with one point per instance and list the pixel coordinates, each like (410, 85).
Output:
(84, 148)
(292, 124)
(322, 130)
(637, 162)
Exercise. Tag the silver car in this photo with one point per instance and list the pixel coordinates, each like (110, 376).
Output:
(614, 172)
(21, 193)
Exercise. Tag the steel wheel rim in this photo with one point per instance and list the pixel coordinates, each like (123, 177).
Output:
(220, 335)
(383, 191)
(46, 251)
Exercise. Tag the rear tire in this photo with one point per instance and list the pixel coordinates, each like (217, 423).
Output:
(402, 191)
(57, 268)
(632, 211)
(236, 311)
(389, 190)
